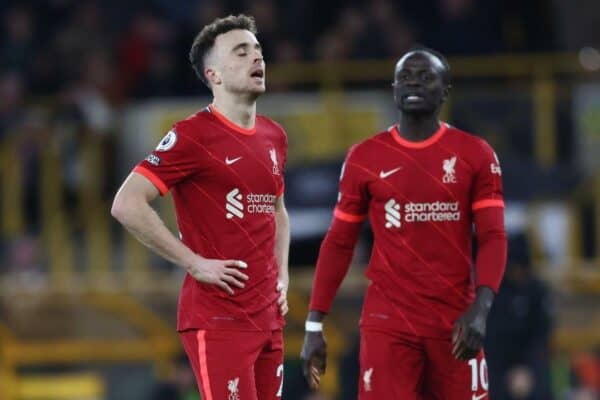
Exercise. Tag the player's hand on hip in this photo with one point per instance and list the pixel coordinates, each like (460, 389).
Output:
(314, 358)
(225, 274)
(282, 288)
(469, 331)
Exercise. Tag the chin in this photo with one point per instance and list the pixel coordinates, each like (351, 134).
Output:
(257, 90)
(417, 111)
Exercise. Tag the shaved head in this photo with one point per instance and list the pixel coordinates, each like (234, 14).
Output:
(438, 61)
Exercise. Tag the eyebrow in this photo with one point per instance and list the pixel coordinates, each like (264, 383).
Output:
(245, 45)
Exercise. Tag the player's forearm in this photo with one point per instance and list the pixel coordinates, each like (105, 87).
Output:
(333, 263)
(492, 247)
(282, 243)
(138, 217)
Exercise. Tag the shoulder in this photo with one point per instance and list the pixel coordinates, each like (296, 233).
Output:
(272, 130)
(269, 124)
(467, 138)
(193, 123)
(369, 146)
(473, 145)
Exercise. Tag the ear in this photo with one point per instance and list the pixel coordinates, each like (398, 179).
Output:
(446, 92)
(212, 75)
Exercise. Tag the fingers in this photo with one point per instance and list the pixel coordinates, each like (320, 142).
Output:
(232, 276)
(473, 346)
(283, 304)
(282, 300)
(235, 263)
(456, 333)
(320, 362)
(456, 338)
(233, 281)
(235, 273)
(284, 308)
(310, 372)
(467, 345)
(459, 345)
(221, 284)
(314, 379)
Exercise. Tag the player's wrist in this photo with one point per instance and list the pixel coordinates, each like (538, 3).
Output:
(313, 326)
(484, 298)
(191, 262)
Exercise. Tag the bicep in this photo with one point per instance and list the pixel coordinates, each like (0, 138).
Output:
(280, 205)
(139, 187)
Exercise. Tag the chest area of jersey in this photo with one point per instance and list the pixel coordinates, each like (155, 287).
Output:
(410, 179)
(253, 165)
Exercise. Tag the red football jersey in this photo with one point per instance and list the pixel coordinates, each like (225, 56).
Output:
(420, 198)
(225, 181)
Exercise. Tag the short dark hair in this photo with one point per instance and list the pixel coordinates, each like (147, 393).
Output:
(205, 40)
(436, 54)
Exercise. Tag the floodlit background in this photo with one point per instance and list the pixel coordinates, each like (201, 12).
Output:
(88, 87)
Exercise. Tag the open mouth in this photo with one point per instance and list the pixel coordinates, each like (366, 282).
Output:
(413, 97)
(258, 74)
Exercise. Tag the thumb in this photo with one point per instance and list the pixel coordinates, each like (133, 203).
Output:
(456, 331)
(236, 263)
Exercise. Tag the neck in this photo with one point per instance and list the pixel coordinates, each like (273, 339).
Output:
(240, 111)
(418, 127)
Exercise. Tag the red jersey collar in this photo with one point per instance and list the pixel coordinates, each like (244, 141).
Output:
(231, 125)
(422, 144)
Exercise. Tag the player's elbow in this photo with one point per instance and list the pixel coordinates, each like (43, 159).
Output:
(118, 209)
(122, 208)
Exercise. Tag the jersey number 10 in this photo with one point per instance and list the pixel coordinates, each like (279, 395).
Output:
(478, 375)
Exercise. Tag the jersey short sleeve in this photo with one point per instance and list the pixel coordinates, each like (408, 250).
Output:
(487, 187)
(174, 159)
(353, 198)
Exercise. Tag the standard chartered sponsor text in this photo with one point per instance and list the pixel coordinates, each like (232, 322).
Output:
(436, 211)
(258, 203)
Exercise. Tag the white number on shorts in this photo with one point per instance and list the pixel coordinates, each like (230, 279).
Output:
(480, 373)
(280, 374)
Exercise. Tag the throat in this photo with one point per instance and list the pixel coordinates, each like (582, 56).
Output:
(240, 113)
(416, 129)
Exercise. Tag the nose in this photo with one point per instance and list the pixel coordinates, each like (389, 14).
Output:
(258, 56)
(412, 81)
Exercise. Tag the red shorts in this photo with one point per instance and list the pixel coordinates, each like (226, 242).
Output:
(234, 365)
(403, 366)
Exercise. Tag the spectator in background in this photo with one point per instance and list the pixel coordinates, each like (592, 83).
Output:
(12, 93)
(204, 12)
(149, 34)
(519, 328)
(465, 27)
(17, 42)
(23, 264)
(388, 33)
(266, 14)
(85, 28)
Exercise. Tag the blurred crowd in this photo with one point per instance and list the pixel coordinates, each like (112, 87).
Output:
(96, 51)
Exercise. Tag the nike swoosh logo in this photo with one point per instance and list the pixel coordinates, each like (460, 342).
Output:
(385, 174)
(229, 162)
(478, 397)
